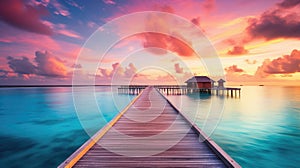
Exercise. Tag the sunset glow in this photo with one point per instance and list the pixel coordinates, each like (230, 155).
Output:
(257, 41)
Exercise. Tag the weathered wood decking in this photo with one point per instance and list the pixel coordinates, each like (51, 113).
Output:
(150, 132)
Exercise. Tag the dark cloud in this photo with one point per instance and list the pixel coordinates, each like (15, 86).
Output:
(233, 69)
(77, 66)
(279, 22)
(288, 3)
(23, 16)
(3, 73)
(46, 65)
(283, 65)
(196, 21)
(178, 69)
(130, 70)
(21, 66)
(238, 50)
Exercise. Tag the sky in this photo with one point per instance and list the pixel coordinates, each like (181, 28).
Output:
(149, 42)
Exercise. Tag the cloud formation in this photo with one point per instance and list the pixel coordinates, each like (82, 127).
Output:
(283, 65)
(3, 73)
(288, 3)
(196, 21)
(109, 2)
(46, 65)
(119, 71)
(178, 69)
(130, 70)
(174, 43)
(23, 16)
(281, 22)
(49, 65)
(234, 69)
(60, 9)
(21, 66)
(238, 50)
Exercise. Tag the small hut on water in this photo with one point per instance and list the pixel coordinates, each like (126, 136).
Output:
(221, 83)
(201, 82)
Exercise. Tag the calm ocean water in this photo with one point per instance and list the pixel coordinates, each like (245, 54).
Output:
(40, 128)
(259, 129)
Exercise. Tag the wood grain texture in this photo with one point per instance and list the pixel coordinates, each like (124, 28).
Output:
(151, 133)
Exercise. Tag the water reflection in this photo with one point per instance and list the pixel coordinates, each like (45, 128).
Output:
(259, 129)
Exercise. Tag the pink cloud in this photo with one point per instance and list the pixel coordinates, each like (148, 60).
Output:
(119, 71)
(172, 43)
(47, 65)
(109, 2)
(196, 21)
(238, 50)
(130, 70)
(282, 21)
(23, 16)
(233, 69)
(209, 5)
(178, 69)
(283, 65)
(69, 33)
(60, 9)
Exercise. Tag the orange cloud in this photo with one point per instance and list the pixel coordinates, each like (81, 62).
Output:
(233, 69)
(46, 65)
(283, 65)
(168, 42)
(49, 65)
(238, 50)
(178, 69)
(282, 21)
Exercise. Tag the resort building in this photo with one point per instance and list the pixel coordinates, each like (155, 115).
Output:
(221, 83)
(201, 82)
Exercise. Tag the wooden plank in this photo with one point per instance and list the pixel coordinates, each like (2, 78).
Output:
(150, 123)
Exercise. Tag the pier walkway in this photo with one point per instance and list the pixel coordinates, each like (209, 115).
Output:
(150, 132)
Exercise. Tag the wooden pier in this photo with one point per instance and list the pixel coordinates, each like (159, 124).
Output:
(182, 90)
(131, 139)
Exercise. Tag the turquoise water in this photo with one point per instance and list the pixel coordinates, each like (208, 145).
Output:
(259, 129)
(40, 127)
